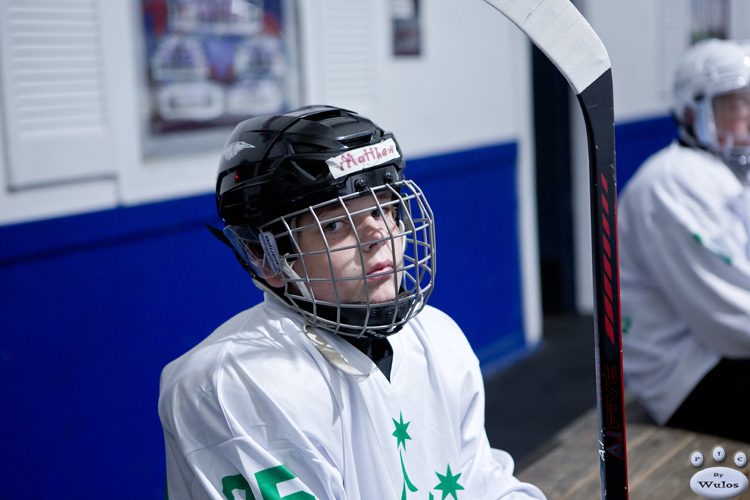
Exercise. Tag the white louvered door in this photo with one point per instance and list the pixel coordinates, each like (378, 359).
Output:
(344, 46)
(53, 92)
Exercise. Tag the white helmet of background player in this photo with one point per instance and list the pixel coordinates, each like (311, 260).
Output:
(713, 69)
(284, 180)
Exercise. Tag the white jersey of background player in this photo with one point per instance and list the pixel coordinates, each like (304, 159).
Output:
(342, 383)
(684, 222)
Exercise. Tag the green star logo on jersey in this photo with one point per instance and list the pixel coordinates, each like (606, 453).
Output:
(449, 483)
(400, 433)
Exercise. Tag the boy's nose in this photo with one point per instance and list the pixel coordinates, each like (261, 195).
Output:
(373, 232)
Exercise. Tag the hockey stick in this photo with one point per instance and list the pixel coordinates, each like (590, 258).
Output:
(566, 38)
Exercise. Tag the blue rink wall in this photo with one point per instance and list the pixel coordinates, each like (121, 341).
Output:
(95, 305)
(636, 141)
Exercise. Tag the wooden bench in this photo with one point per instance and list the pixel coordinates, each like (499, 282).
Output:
(659, 465)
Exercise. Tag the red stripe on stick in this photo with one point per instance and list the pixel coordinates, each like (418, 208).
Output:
(606, 246)
(608, 288)
(605, 204)
(608, 308)
(605, 224)
(604, 183)
(610, 331)
(607, 268)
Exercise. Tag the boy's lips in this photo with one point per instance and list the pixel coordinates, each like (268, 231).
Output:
(380, 269)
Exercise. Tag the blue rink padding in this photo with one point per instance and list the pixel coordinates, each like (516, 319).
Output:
(473, 196)
(95, 305)
(636, 141)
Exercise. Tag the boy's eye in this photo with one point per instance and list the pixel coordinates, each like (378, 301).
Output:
(387, 211)
(333, 226)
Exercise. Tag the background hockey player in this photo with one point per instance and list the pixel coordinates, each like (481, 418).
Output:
(684, 222)
(342, 383)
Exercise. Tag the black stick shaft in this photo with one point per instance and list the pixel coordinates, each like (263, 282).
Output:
(598, 110)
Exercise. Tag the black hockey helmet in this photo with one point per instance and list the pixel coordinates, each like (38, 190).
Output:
(272, 166)
(275, 168)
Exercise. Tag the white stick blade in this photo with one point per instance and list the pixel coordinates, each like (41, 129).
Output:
(563, 34)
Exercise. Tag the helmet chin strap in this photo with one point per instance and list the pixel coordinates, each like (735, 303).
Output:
(291, 273)
(330, 353)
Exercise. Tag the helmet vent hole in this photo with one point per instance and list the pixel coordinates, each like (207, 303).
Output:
(306, 148)
(313, 169)
(359, 140)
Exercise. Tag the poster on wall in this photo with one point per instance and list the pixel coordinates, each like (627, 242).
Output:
(709, 19)
(407, 32)
(210, 64)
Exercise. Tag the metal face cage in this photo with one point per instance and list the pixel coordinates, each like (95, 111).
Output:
(361, 264)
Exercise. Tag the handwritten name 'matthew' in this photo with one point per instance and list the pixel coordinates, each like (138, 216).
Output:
(363, 158)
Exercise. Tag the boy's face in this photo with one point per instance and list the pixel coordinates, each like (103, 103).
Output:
(732, 116)
(372, 268)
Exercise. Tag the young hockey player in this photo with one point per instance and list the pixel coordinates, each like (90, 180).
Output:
(684, 222)
(342, 383)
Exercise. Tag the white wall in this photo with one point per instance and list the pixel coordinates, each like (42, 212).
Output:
(462, 92)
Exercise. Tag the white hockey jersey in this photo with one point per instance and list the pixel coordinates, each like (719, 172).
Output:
(684, 242)
(256, 411)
